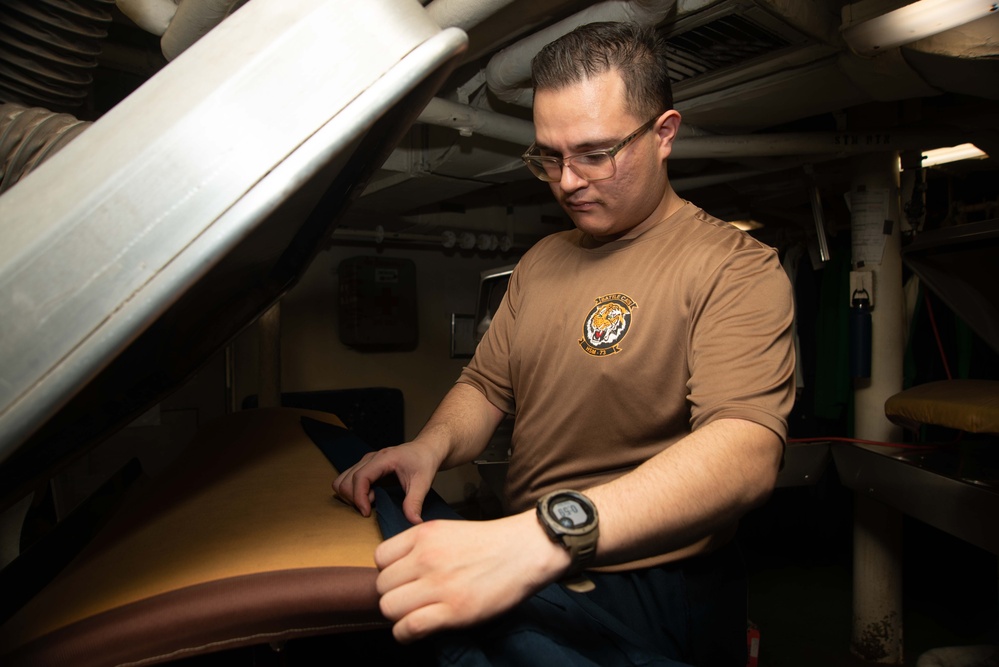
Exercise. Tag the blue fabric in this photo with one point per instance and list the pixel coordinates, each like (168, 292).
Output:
(343, 449)
(554, 627)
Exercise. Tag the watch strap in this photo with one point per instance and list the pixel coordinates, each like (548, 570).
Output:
(578, 582)
(581, 548)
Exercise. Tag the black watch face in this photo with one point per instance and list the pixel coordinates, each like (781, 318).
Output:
(569, 512)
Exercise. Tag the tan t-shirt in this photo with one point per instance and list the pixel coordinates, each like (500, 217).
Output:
(608, 353)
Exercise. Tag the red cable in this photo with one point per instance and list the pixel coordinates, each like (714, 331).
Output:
(936, 335)
(900, 445)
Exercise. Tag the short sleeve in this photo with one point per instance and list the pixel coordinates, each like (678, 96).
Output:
(741, 347)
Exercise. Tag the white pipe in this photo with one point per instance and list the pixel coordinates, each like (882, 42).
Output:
(910, 23)
(693, 182)
(464, 239)
(193, 20)
(509, 72)
(805, 143)
(692, 143)
(877, 176)
(470, 120)
(153, 16)
(877, 582)
(463, 13)
(877, 631)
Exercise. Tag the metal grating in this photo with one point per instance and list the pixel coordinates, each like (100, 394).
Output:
(723, 42)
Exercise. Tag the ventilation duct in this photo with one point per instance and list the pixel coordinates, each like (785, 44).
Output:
(30, 136)
(723, 42)
(179, 23)
(510, 69)
(48, 50)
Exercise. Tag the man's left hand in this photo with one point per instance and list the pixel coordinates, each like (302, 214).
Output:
(442, 575)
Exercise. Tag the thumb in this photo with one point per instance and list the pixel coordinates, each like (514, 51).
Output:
(412, 507)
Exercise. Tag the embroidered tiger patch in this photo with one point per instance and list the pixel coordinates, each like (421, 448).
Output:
(606, 324)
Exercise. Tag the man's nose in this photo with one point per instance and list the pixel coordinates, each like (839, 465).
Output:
(571, 181)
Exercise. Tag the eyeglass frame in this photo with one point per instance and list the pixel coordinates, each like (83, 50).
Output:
(563, 162)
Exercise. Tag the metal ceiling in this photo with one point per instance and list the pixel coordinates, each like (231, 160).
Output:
(742, 69)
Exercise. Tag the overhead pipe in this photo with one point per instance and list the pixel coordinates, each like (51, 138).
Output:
(469, 120)
(462, 239)
(153, 16)
(463, 13)
(193, 20)
(915, 21)
(509, 71)
(179, 24)
(809, 143)
(693, 143)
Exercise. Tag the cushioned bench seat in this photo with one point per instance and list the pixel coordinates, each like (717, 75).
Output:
(241, 543)
(965, 405)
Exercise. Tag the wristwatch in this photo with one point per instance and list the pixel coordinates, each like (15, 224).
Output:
(571, 520)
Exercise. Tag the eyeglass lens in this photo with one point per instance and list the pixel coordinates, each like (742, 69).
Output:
(589, 166)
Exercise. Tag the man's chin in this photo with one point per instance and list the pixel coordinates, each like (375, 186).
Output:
(584, 219)
(591, 225)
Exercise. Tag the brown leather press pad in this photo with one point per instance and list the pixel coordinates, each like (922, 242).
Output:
(240, 542)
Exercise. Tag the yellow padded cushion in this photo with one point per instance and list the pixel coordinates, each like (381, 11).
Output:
(966, 405)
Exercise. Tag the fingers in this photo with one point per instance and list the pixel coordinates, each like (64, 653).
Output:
(414, 470)
(354, 484)
(410, 599)
(390, 551)
(422, 622)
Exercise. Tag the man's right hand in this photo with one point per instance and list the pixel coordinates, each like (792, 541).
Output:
(415, 467)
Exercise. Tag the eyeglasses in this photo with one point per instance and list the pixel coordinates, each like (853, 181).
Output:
(590, 166)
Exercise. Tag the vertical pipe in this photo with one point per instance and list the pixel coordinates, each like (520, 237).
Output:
(877, 549)
(877, 632)
(269, 330)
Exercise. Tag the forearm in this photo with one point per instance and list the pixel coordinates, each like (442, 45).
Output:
(460, 427)
(698, 486)
(448, 574)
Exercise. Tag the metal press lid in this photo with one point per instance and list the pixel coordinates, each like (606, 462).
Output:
(141, 248)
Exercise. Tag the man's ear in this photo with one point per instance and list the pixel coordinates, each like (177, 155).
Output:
(667, 126)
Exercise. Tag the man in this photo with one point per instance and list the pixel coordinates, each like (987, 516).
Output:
(647, 358)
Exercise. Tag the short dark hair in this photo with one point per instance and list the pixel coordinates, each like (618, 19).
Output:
(637, 52)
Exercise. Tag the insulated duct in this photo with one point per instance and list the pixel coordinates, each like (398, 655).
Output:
(509, 72)
(153, 16)
(179, 23)
(48, 49)
(462, 13)
(193, 20)
(30, 136)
